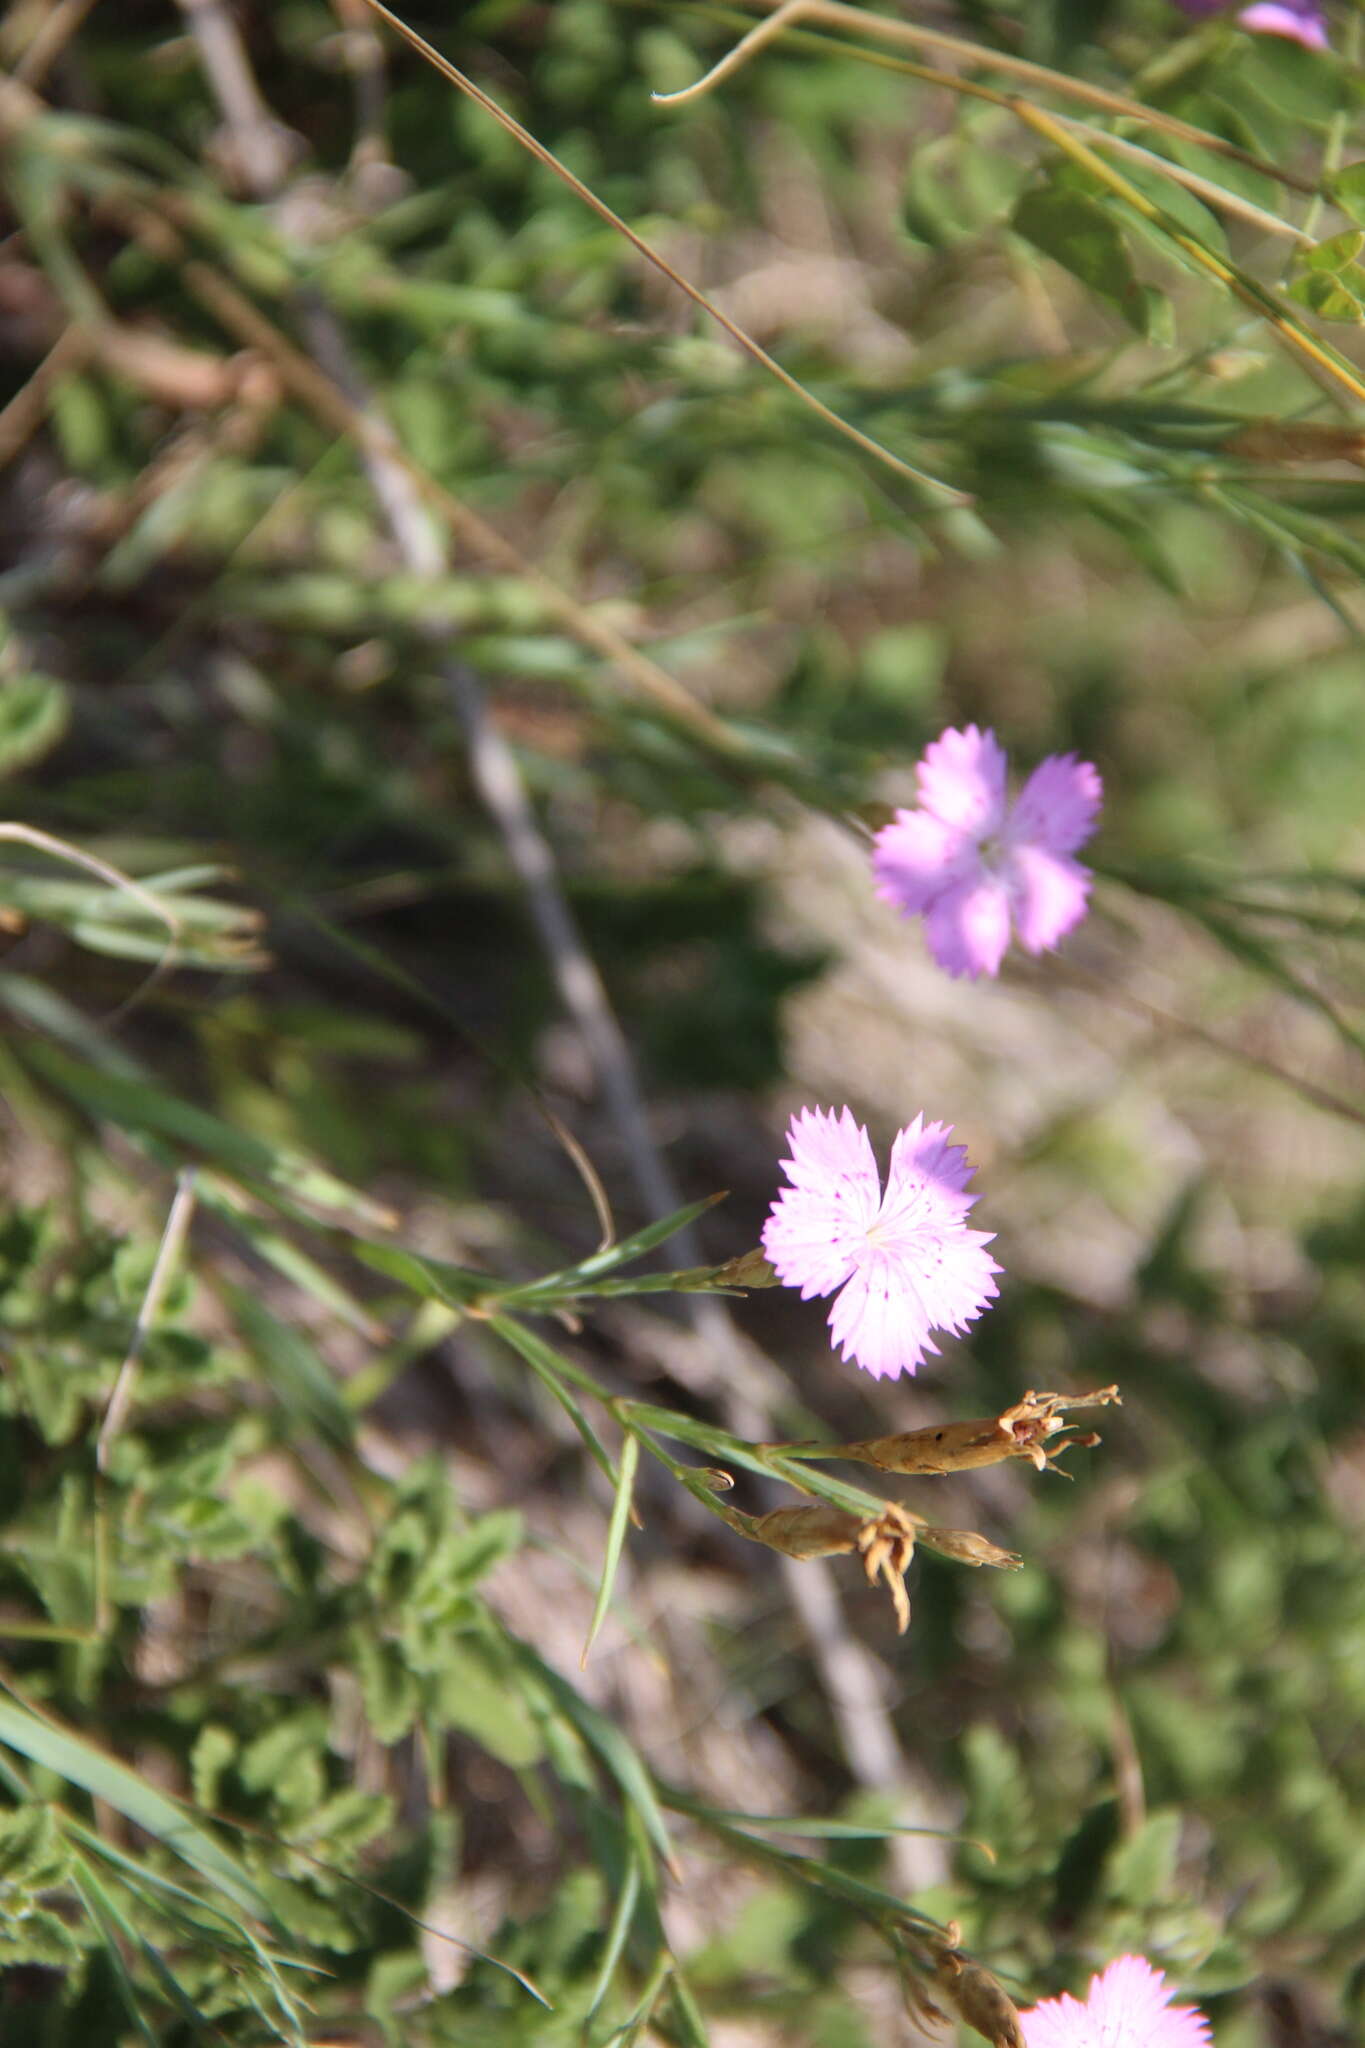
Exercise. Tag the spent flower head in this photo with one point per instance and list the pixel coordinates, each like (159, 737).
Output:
(970, 863)
(1127, 2006)
(904, 1262)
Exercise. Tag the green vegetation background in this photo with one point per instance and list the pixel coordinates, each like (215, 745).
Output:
(291, 1605)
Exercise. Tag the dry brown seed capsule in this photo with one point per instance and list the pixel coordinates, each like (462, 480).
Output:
(885, 1542)
(977, 1997)
(1021, 1432)
(969, 1548)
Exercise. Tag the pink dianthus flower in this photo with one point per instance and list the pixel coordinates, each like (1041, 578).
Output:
(1301, 20)
(904, 1261)
(970, 863)
(1127, 2006)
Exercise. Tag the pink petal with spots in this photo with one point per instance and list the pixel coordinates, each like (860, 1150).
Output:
(880, 1320)
(818, 1226)
(926, 1168)
(904, 1266)
(1057, 806)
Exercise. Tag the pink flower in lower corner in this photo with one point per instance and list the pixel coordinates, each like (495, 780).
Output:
(1127, 2006)
(972, 864)
(904, 1262)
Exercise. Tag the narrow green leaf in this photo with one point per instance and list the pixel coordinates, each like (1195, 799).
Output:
(660, 1977)
(609, 1746)
(732, 1450)
(292, 1369)
(108, 1917)
(288, 1258)
(433, 1279)
(616, 1536)
(149, 1111)
(823, 1830)
(80, 1763)
(535, 1350)
(571, 1280)
(869, 1899)
(689, 1280)
(119, 941)
(545, 1363)
(616, 1934)
(113, 1931)
(691, 2027)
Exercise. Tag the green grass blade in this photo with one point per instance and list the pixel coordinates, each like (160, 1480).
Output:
(116, 1929)
(147, 1111)
(287, 1258)
(877, 1905)
(433, 1279)
(611, 1749)
(293, 1371)
(616, 1935)
(817, 1828)
(537, 1352)
(113, 1930)
(539, 1356)
(725, 1449)
(571, 1280)
(616, 1537)
(80, 1763)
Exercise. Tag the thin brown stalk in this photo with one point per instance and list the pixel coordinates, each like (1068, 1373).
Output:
(1207, 189)
(26, 411)
(53, 34)
(61, 849)
(835, 14)
(321, 395)
(364, 55)
(261, 147)
(1288, 330)
(168, 1252)
(1173, 1026)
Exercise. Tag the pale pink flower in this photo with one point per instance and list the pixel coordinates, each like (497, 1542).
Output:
(969, 862)
(904, 1262)
(1302, 24)
(1301, 20)
(1127, 2006)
